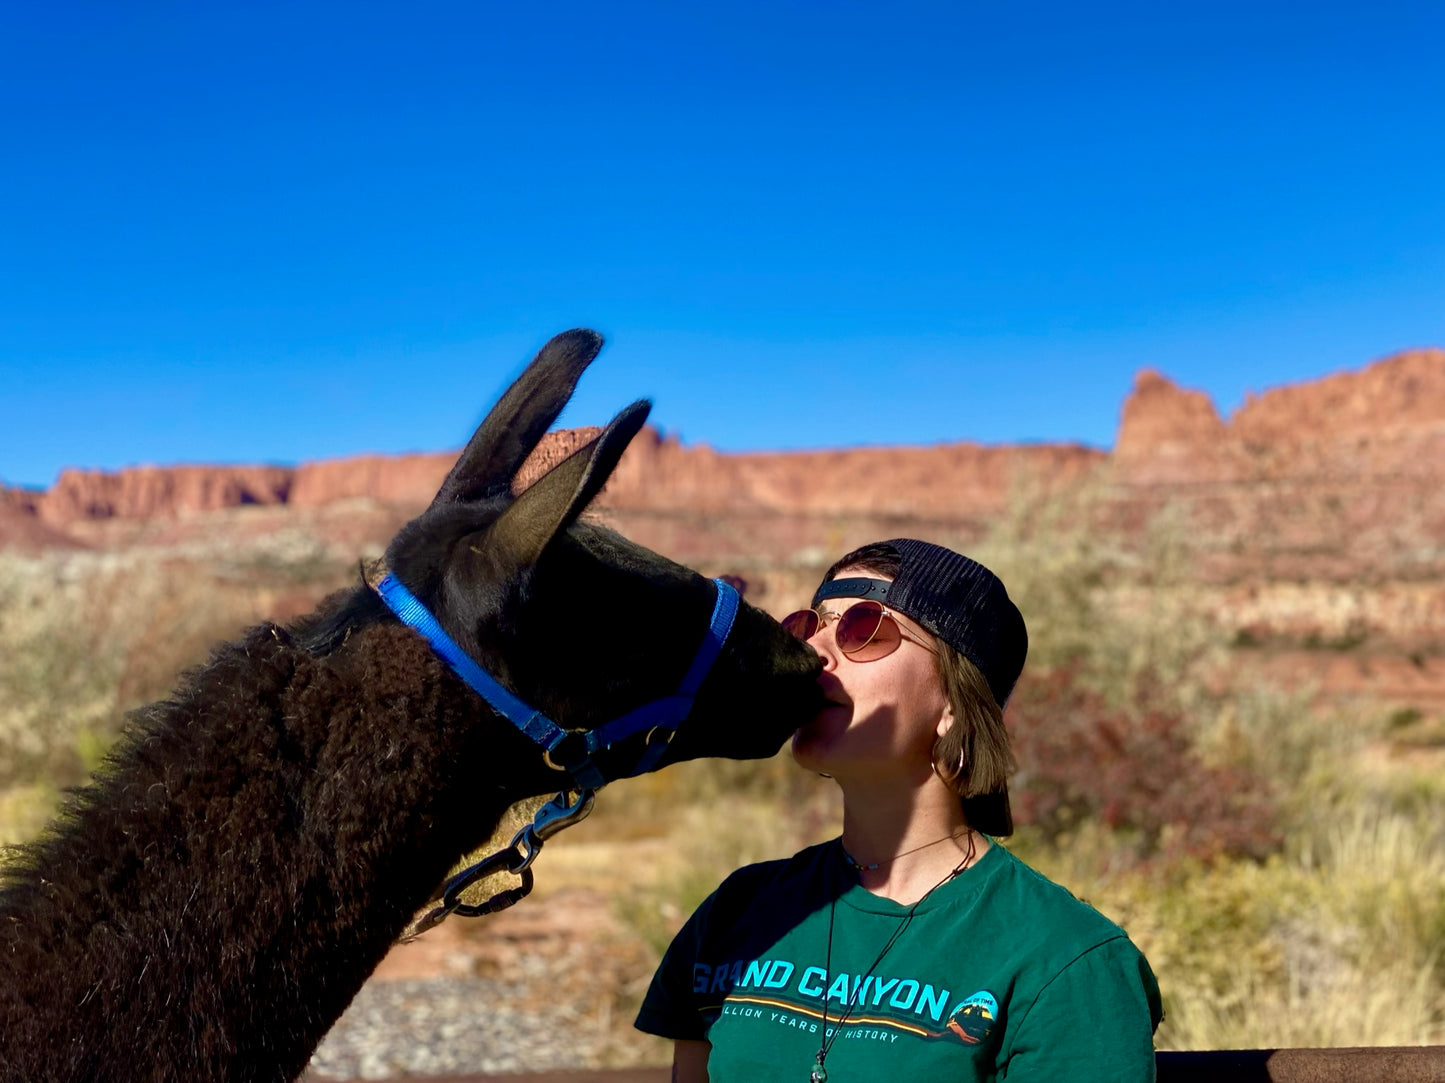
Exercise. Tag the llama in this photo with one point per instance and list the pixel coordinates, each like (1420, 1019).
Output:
(210, 903)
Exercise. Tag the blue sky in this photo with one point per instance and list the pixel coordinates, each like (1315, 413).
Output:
(271, 233)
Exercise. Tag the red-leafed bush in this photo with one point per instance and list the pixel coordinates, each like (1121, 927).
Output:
(1134, 770)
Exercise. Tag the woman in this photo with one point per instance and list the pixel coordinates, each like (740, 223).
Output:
(912, 947)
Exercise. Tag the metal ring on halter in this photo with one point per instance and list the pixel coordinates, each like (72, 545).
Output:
(547, 752)
(667, 735)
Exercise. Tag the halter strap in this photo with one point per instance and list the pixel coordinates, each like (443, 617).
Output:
(572, 750)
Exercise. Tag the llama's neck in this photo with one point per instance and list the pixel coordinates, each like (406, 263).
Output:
(212, 903)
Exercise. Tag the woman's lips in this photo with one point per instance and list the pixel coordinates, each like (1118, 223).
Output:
(833, 692)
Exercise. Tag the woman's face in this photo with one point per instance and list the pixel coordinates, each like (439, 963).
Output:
(882, 717)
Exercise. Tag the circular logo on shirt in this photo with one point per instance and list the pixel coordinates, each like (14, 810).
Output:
(973, 1020)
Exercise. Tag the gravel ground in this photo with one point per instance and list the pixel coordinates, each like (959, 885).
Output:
(452, 1026)
(542, 988)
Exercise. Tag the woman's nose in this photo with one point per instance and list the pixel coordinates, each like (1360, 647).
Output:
(823, 646)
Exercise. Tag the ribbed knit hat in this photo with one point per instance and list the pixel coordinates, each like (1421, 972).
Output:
(958, 600)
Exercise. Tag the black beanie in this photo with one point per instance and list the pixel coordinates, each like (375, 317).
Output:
(958, 600)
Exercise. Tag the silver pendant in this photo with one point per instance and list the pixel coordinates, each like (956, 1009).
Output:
(820, 1074)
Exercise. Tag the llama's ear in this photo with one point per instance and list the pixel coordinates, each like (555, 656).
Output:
(552, 502)
(520, 419)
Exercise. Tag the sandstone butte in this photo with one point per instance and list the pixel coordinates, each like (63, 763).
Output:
(656, 473)
(1339, 478)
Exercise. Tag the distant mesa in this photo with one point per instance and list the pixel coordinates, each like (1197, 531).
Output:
(150, 491)
(22, 528)
(1382, 425)
(1385, 421)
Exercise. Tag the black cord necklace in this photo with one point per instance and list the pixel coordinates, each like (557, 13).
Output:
(820, 1073)
(858, 866)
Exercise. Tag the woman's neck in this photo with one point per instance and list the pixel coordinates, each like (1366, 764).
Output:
(906, 839)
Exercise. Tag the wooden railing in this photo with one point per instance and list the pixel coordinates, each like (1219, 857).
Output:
(1384, 1064)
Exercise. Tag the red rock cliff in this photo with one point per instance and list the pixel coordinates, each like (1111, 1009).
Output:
(1339, 478)
(1384, 421)
(1329, 477)
(942, 481)
(1165, 432)
(146, 492)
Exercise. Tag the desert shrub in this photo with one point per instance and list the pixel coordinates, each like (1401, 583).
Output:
(705, 846)
(24, 810)
(1125, 621)
(1136, 772)
(1403, 718)
(711, 786)
(1281, 734)
(1340, 946)
(707, 818)
(85, 638)
(186, 612)
(58, 667)
(1410, 728)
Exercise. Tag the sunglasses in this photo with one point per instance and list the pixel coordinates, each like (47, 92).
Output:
(866, 631)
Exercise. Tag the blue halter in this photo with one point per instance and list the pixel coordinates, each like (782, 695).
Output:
(572, 750)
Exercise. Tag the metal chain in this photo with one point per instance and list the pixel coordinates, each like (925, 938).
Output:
(556, 815)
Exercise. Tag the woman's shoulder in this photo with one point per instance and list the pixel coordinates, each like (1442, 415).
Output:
(1066, 951)
(763, 893)
(1031, 899)
(786, 874)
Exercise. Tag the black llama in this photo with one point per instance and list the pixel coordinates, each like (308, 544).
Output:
(207, 906)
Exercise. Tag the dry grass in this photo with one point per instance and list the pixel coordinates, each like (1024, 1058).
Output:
(87, 637)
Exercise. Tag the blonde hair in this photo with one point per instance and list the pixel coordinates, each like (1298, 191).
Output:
(974, 758)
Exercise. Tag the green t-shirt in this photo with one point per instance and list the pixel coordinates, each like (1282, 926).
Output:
(1000, 974)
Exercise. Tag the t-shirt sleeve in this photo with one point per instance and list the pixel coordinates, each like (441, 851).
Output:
(669, 1009)
(1094, 1022)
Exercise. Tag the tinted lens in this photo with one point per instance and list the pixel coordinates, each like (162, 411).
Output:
(866, 633)
(801, 625)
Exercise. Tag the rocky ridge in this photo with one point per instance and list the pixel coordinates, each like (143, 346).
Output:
(1386, 421)
(1382, 424)
(1315, 509)
(657, 473)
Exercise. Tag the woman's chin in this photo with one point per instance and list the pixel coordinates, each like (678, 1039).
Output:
(805, 748)
(811, 742)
